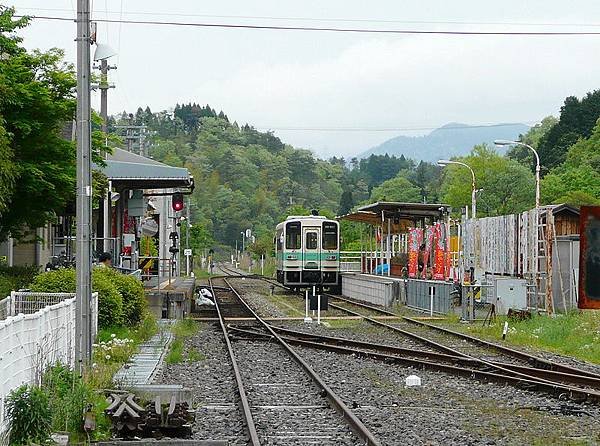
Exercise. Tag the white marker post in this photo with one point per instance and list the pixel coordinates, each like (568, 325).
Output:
(307, 318)
(505, 330)
(262, 265)
(319, 309)
(314, 294)
(431, 294)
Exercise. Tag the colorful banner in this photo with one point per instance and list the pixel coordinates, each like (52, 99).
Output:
(415, 238)
(439, 253)
(429, 232)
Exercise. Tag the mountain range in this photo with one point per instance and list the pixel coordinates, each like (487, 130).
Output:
(453, 139)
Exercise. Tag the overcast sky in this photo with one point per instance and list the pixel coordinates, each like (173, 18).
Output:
(322, 80)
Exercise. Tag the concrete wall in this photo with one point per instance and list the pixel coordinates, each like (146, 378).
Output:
(373, 289)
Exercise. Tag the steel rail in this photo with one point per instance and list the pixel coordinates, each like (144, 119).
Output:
(530, 383)
(558, 377)
(543, 363)
(252, 432)
(445, 348)
(355, 423)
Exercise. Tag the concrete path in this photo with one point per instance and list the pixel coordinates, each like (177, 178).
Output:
(142, 366)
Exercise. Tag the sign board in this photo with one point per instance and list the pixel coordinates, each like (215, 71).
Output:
(149, 227)
(135, 205)
(589, 258)
(248, 233)
(187, 252)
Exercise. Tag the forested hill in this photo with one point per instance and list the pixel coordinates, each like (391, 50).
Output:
(251, 179)
(450, 140)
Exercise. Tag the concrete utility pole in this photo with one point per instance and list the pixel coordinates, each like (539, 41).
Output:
(84, 189)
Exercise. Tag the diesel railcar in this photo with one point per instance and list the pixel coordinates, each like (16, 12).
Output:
(308, 252)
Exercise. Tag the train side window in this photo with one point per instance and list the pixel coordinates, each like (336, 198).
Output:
(293, 238)
(312, 240)
(330, 236)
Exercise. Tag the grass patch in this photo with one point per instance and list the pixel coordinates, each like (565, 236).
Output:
(574, 334)
(178, 353)
(338, 324)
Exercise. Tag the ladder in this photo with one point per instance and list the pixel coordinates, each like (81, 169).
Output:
(540, 286)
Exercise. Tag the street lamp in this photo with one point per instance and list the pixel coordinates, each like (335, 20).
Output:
(506, 142)
(444, 163)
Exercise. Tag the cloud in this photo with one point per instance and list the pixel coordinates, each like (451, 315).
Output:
(408, 81)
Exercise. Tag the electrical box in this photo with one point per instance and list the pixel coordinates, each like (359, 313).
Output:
(510, 293)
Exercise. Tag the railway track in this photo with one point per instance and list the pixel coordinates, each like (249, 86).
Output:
(280, 395)
(452, 352)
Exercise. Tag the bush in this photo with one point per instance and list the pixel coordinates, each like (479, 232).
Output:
(132, 293)
(29, 416)
(13, 278)
(70, 396)
(110, 302)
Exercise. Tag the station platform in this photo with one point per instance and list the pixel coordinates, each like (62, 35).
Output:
(171, 300)
(389, 290)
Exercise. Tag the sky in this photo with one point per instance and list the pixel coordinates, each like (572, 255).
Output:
(340, 93)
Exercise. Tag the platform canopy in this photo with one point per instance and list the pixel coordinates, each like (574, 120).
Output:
(401, 215)
(131, 171)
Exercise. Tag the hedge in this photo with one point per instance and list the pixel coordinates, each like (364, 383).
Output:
(110, 301)
(13, 278)
(132, 293)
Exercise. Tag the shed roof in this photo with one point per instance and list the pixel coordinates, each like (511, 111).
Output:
(372, 213)
(131, 171)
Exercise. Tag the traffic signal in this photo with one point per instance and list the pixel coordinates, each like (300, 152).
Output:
(177, 201)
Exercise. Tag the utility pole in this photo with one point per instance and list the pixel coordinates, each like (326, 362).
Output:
(104, 86)
(84, 189)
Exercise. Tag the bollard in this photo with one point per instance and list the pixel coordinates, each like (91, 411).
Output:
(319, 309)
(431, 294)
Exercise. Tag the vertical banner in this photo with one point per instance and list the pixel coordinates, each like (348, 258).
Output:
(589, 258)
(429, 232)
(439, 252)
(415, 237)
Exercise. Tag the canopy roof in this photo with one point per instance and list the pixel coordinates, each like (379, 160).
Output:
(402, 215)
(130, 171)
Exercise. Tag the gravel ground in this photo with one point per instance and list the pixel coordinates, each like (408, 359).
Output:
(213, 385)
(287, 406)
(449, 410)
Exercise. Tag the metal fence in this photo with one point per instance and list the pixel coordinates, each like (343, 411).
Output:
(419, 295)
(29, 342)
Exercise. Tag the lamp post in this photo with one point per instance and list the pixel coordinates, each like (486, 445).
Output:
(505, 142)
(445, 163)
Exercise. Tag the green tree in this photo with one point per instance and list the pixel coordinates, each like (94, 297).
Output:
(532, 138)
(397, 189)
(36, 102)
(507, 186)
(577, 120)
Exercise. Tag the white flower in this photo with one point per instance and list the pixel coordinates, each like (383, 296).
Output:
(113, 335)
(94, 365)
(107, 357)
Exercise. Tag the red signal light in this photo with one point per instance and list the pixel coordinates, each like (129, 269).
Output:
(177, 202)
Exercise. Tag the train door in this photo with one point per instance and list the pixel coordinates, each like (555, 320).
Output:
(311, 265)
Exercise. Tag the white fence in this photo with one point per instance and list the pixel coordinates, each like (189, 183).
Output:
(31, 342)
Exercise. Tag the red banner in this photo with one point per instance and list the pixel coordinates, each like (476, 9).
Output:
(428, 246)
(439, 253)
(415, 238)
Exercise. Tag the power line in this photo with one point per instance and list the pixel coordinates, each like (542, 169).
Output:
(387, 129)
(328, 29)
(331, 19)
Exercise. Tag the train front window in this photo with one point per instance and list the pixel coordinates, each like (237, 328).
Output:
(312, 240)
(330, 236)
(293, 237)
